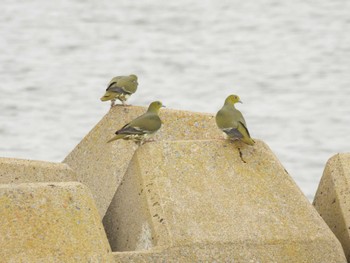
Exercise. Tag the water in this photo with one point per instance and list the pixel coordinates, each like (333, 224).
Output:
(289, 62)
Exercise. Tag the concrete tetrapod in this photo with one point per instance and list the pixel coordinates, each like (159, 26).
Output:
(101, 166)
(50, 222)
(214, 200)
(15, 171)
(332, 198)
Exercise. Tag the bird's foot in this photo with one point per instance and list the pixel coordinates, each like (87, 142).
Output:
(149, 140)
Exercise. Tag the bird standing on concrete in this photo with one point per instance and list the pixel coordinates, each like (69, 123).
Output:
(142, 127)
(120, 88)
(231, 121)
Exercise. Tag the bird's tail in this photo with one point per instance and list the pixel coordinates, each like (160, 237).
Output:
(248, 140)
(108, 96)
(117, 137)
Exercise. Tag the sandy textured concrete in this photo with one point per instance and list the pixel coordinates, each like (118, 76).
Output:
(332, 199)
(101, 166)
(14, 171)
(212, 200)
(227, 252)
(50, 222)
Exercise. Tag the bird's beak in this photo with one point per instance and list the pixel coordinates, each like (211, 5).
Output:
(240, 101)
(163, 106)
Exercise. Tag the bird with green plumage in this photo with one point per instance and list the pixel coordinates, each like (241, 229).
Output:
(143, 127)
(120, 88)
(231, 121)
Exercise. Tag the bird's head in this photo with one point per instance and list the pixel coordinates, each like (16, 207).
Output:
(155, 106)
(232, 99)
(133, 77)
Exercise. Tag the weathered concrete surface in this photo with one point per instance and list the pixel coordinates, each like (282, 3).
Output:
(212, 200)
(15, 171)
(101, 166)
(227, 252)
(50, 222)
(332, 199)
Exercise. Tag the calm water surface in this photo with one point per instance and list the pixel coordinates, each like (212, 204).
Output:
(289, 62)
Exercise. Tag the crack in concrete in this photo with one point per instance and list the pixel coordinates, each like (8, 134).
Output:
(241, 155)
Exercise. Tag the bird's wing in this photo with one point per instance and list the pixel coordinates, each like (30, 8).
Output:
(146, 123)
(238, 117)
(243, 129)
(117, 89)
(128, 84)
(113, 83)
(130, 130)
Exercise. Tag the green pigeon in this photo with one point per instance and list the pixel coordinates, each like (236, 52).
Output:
(120, 88)
(142, 127)
(231, 121)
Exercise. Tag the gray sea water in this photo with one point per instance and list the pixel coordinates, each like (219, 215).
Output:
(289, 61)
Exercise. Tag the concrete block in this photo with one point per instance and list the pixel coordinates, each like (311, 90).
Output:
(102, 166)
(332, 199)
(214, 200)
(15, 171)
(50, 222)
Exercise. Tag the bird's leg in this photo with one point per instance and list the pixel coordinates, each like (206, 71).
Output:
(112, 103)
(149, 140)
(124, 103)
